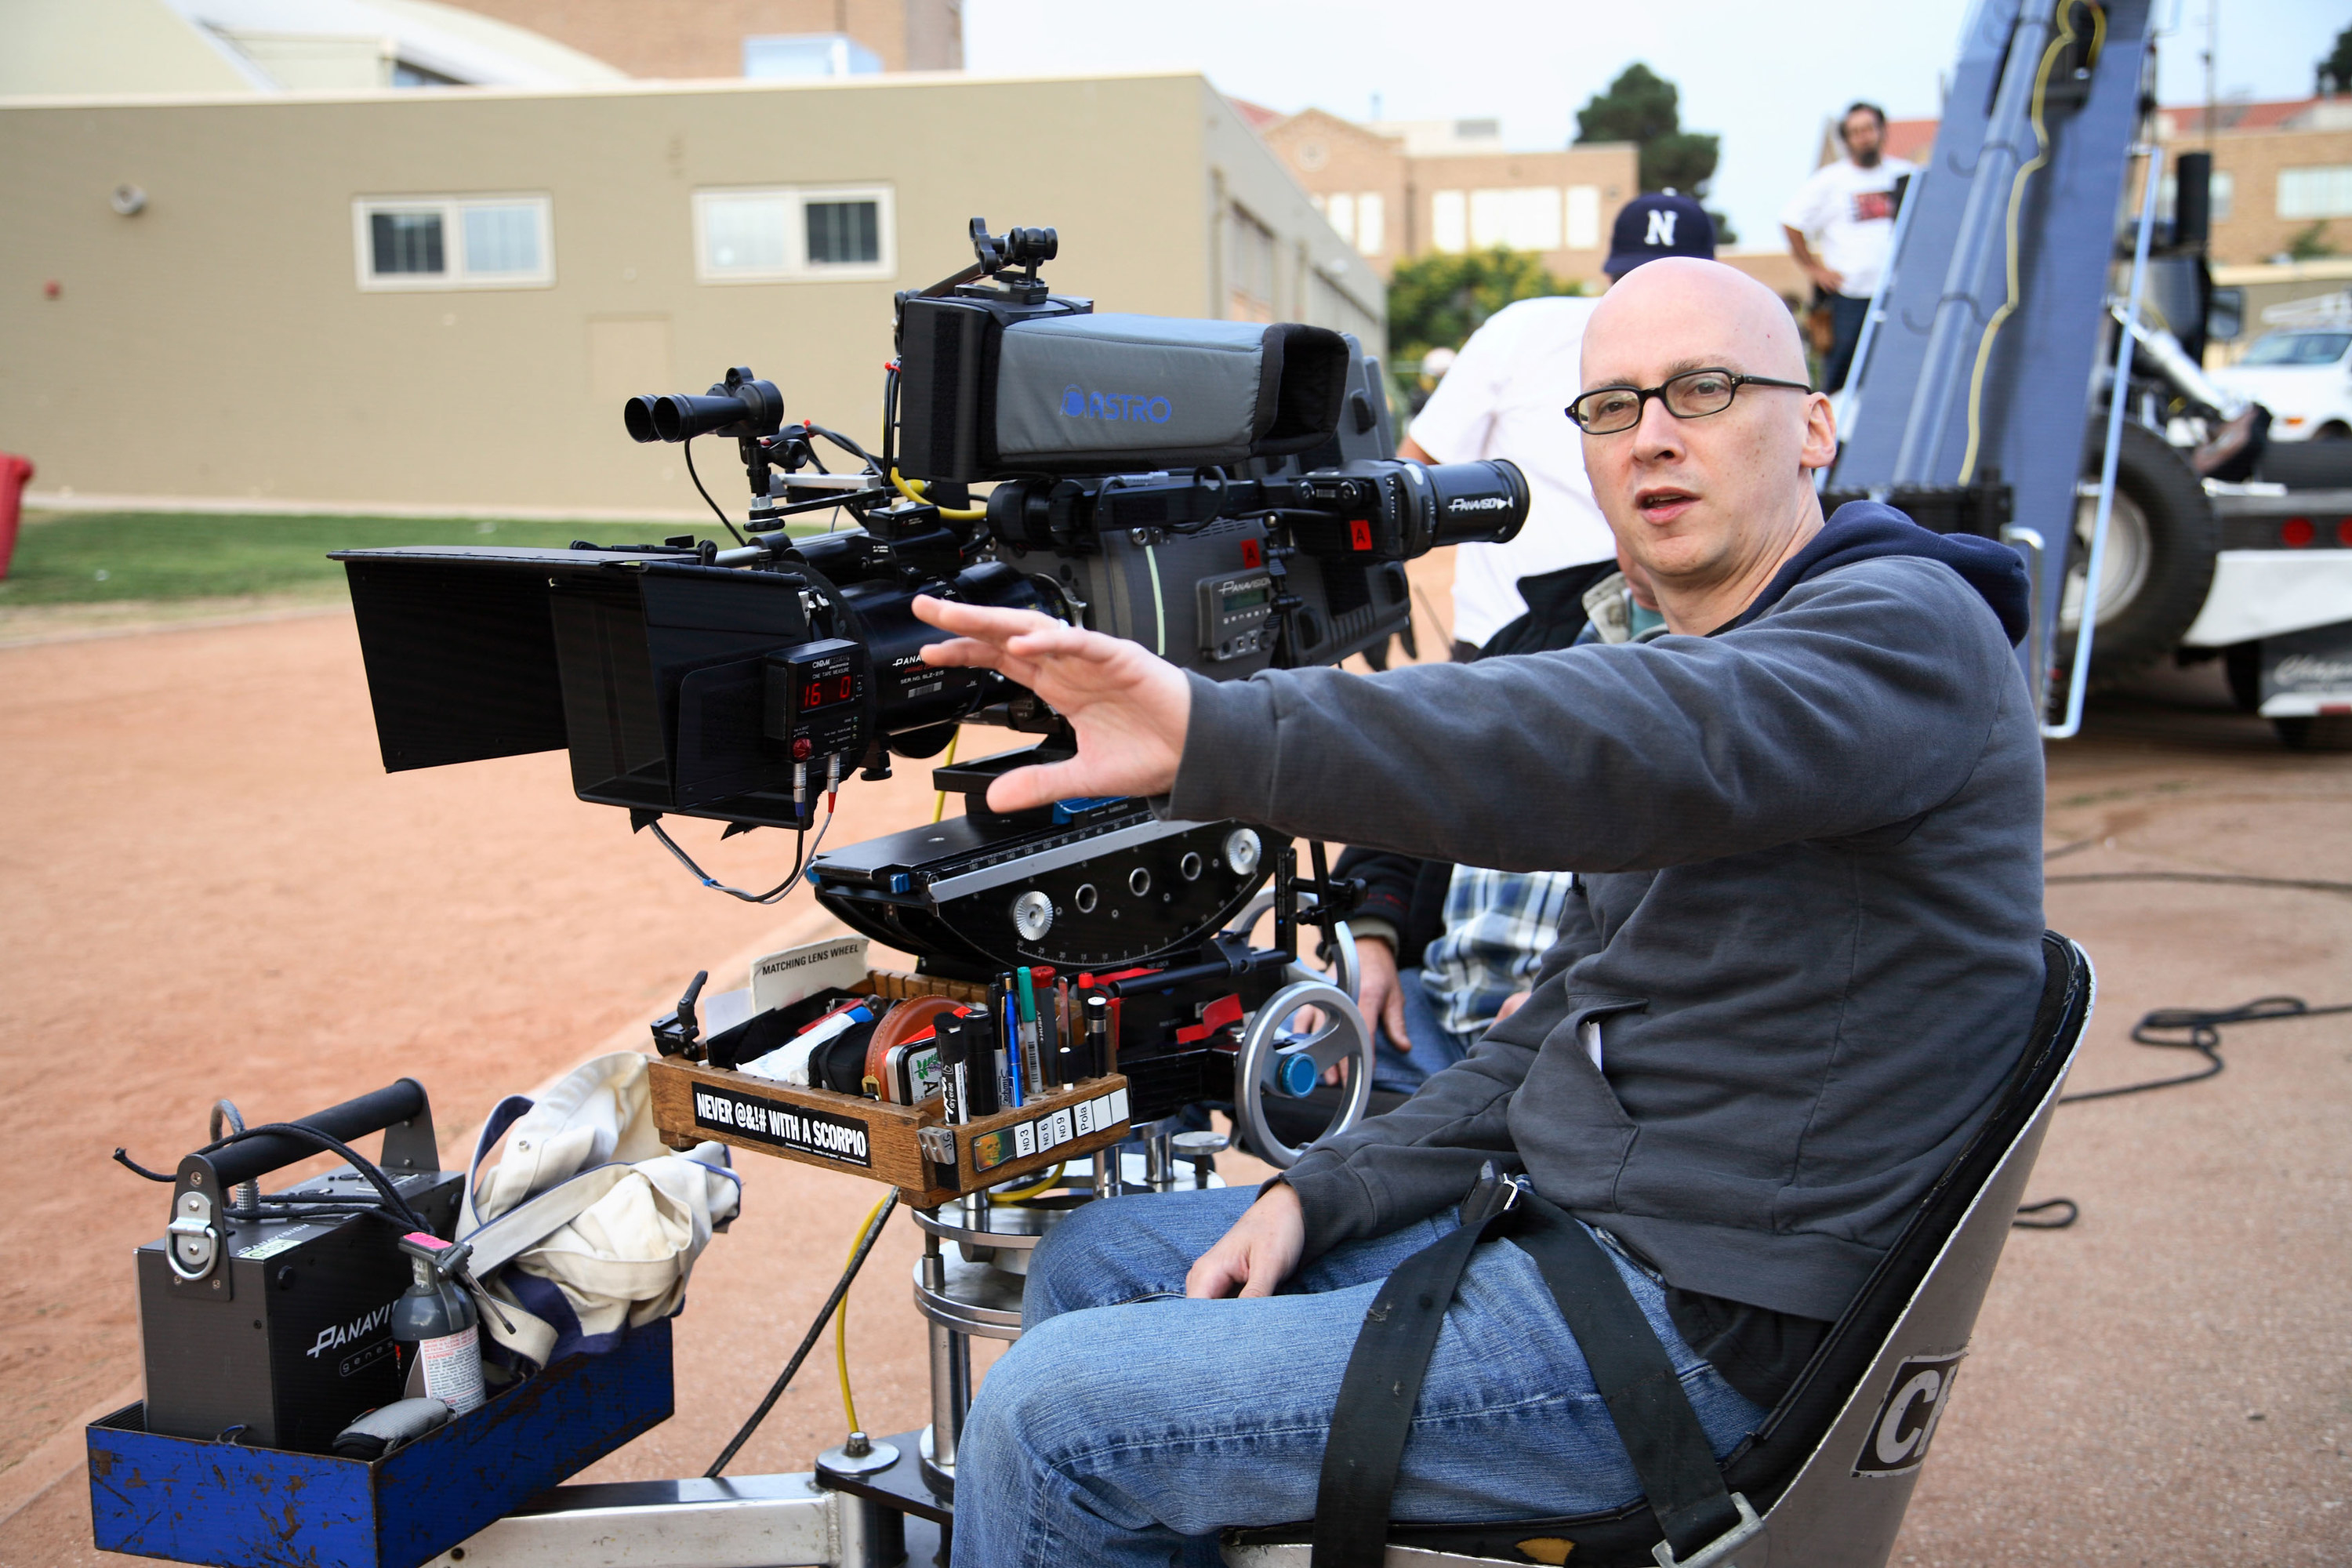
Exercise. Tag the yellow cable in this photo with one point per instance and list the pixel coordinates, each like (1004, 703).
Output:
(2066, 36)
(1029, 1192)
(940, 809)
(840, 1323)
(913, 490)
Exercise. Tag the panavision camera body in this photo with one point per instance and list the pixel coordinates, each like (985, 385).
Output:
(1223, 493)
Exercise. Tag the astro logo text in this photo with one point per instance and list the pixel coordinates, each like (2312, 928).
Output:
(1078, 403)
(1907, 1419)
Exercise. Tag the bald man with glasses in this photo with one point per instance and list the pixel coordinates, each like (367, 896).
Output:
(1800, 956)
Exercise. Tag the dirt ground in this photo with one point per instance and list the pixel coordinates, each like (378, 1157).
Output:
(211, 888)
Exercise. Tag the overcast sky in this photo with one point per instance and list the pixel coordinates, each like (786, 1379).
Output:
(1762, 76)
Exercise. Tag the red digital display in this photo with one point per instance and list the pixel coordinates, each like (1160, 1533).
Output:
(827, 691)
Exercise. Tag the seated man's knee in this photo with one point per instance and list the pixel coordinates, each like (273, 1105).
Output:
(1027, 1395)
(1066, 1268)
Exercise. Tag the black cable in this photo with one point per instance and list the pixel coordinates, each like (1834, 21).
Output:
(2204, 1036)
(724, 521)
(846, 444)
(2215, 878)
(808, 1341)
(392, 1204)
(803, 848)
(2204, 1027)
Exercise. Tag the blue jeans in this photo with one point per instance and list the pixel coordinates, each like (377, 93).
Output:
(1128, 1425)
(1435, 1047)
(1846, 317)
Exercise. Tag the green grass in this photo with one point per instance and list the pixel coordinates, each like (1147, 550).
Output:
(139, 555)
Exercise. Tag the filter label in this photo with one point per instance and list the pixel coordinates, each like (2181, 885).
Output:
(1023, 1139)
(794, 1127)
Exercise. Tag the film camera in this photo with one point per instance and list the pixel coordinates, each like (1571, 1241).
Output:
(1223, 493)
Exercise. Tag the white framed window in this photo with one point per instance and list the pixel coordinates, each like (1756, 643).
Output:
(794, 234)
(1361, 220)
(1341, 210)
(1585, 217)
(454, 242)
(1249, 268)
(1520, 218)
(2323, 191)
(1449, 222)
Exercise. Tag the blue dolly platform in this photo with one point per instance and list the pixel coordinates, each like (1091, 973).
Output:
(193, 1500)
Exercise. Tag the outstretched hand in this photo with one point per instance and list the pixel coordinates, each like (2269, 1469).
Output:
(1128, 708)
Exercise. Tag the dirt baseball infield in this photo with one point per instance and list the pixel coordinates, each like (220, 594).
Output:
(213, 889)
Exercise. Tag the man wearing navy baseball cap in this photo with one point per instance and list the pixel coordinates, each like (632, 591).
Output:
(1650, 226)
(1444, 950)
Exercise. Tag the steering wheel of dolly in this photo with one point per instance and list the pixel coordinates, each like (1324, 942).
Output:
(1277, 1060)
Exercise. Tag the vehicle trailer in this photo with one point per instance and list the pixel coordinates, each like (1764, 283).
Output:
(2276, 613)
(2029, 371)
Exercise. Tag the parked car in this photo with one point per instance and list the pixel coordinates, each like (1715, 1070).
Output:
(2304, 377)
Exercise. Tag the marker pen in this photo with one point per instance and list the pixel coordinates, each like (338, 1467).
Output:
(1031, 1066)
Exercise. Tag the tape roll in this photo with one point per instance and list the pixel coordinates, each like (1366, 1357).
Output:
(908, 1018)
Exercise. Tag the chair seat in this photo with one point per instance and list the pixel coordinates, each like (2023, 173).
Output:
(1833, 1466)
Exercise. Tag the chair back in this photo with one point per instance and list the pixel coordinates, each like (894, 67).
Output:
(1831, 1469)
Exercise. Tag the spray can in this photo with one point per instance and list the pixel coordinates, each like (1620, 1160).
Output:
(435, 1324)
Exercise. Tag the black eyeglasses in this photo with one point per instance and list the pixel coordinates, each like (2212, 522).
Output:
(1694, 395)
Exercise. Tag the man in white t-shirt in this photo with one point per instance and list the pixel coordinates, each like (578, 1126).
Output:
(1507, 396)
(1849, 208)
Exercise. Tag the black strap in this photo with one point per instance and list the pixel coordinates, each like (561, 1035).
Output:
(1374, 1413)
(1374, 1417)
(1672, 1457)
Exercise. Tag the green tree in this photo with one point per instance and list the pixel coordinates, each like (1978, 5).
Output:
(2335, 70)
(1643, 108)
(1437, 302)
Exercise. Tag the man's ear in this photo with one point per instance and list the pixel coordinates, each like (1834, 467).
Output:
(1819, 449)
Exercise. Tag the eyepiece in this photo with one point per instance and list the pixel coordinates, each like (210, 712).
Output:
(739, 405)
(637, 413)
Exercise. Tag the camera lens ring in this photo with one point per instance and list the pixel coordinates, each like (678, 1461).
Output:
(1085, 899)
(1138, 881)
(1190, 867)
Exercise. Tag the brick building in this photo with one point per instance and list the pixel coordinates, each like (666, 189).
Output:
(689, 39)
(1399, 190)
(2281, 173)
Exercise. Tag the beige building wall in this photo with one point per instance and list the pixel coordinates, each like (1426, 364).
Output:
(688, 38)
(217, 345)
(2254, 231)
(1557, 205)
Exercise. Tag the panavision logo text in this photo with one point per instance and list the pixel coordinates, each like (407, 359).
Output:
(334, 1336)
(1477, 503)
(1078, 403)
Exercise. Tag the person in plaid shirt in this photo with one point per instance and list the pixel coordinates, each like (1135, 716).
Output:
(1446, 950)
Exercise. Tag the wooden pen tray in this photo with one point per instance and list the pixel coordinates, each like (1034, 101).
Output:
(911, 1147)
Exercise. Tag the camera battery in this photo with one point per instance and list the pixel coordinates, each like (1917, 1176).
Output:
(288, 1337)
(817, 699)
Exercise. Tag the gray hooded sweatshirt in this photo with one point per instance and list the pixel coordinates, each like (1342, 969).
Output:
(1808, 913)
